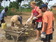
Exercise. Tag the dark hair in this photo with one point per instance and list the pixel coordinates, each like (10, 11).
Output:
(6, 9)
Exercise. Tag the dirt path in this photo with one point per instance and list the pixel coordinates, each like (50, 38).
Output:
(32, 39)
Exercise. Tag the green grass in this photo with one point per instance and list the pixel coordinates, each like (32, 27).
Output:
(17, 12)
(54, 11)
(24, 10)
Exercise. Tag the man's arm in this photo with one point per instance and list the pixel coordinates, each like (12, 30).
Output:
(53, 21)
(4, 15)
(45, 23)
(29, 18)
(53, 25)
(31, 15)
(45, 26)
(40, 13)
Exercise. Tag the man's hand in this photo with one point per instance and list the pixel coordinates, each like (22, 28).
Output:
(43, 35)
(35, 18)
(28, 21)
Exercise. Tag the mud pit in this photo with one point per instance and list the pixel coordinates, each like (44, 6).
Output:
(23, 39)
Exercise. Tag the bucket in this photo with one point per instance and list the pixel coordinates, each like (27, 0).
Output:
(4, 26)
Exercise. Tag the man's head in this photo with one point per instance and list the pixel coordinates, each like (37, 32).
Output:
(33, 4)
(43, 7)
(6, 9)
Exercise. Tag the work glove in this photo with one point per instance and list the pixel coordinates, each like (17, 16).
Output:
(43, 35)
(35, 18)
(28, 21)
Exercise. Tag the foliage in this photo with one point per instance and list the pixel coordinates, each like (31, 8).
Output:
(24, 10)
(26, 6)
(15, 9)
(19, 1)
(0, 0)
(1, 8)
(39, 2)
(13, 5)
(54, 11)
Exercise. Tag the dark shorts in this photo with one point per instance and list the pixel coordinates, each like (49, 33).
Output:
(38, 25)
(48, 37)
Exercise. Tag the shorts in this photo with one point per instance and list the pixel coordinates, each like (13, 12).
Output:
(38, 25)
(48, 37)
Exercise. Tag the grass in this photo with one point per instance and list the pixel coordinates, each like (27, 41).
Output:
(18, 11)
(54, 11)
(24, 10)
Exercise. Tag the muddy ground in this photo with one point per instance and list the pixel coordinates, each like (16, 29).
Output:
(27, 39)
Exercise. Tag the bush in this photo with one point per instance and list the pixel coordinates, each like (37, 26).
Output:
(10, 12)
(26, 10)
(39, 2)
(54, 11)
(14, 5)
(1, 8)
(25, 6)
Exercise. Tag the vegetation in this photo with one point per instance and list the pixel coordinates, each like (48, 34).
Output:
(19, 1)
(14, 5)
(1, 8)
(0, 0)
(54, 11)
(39, 2)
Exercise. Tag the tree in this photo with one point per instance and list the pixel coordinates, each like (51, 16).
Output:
(49, 0)
(39, 2)
(0, 0)
(13, 5)
(19, 1)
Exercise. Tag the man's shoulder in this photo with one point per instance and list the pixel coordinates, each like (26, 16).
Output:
(47, 12)
(50, 13)
(3, 10)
